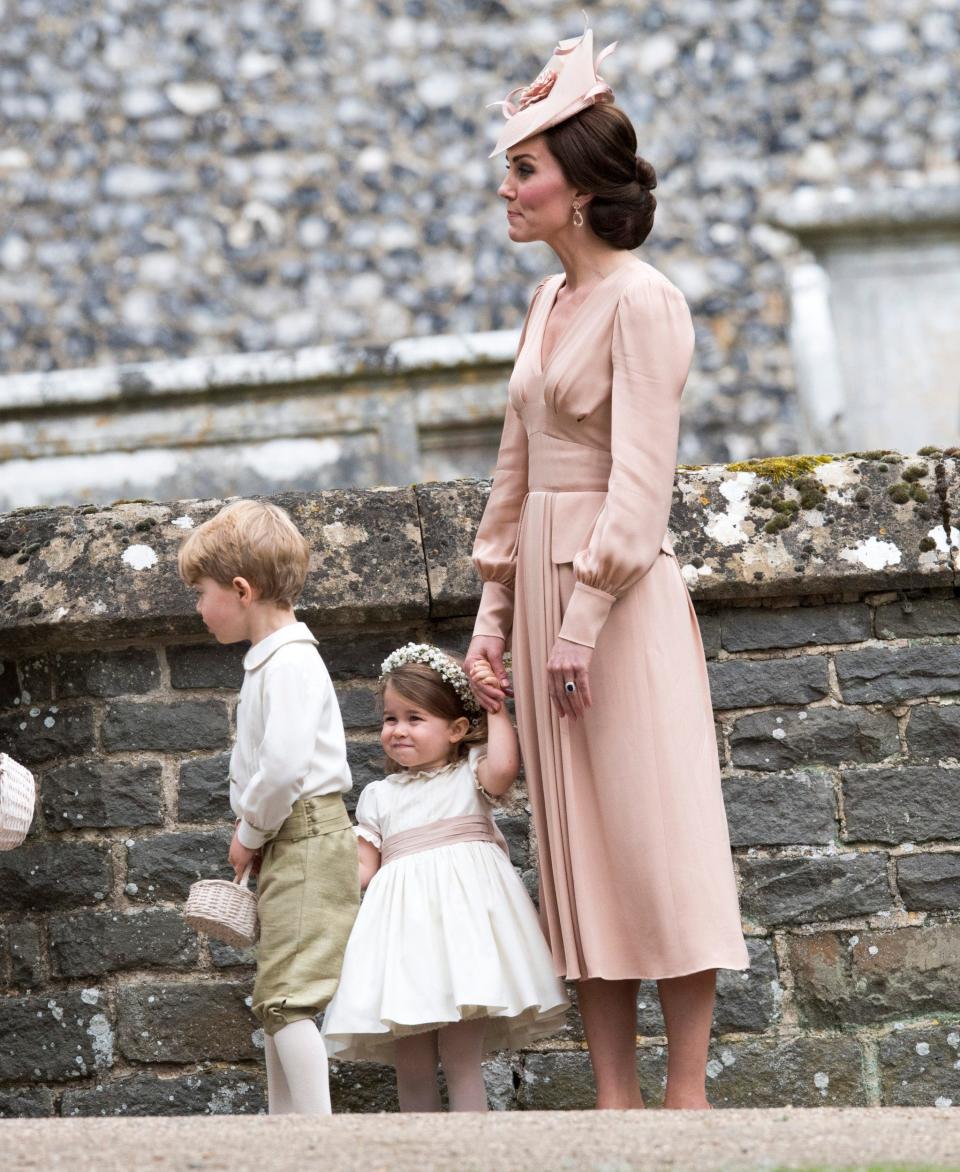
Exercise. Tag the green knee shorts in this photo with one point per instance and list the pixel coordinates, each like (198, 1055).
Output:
(308, 896)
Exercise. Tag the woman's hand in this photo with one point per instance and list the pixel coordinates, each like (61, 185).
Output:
(569, 661)
(484, 667)
(241, 857)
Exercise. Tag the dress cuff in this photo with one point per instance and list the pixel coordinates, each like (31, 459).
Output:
(495, 616)
(252, 838)
(586, 613)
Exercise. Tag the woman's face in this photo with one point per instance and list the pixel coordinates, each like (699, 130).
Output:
(538, 197)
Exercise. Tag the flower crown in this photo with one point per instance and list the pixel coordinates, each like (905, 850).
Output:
(446, 668)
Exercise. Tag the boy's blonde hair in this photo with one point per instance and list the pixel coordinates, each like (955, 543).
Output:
(248, 539)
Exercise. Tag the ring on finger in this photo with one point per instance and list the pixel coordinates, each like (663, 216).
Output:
(570, 687)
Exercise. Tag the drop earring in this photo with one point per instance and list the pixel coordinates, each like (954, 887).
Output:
(577, 214)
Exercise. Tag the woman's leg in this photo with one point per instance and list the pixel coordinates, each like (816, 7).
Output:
(687, 1004)
(416, 1062)
(461, 1052)
(303, 1058)
(609, 1013)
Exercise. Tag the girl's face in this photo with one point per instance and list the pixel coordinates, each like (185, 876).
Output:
(538, 197)
(415, 738)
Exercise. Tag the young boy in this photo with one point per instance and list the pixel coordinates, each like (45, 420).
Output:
(288, 772)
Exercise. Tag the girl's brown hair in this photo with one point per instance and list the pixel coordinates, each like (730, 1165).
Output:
(597, 152)
(420, 685)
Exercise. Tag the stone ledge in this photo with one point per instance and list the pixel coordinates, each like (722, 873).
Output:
(271, 368)
(763, 529)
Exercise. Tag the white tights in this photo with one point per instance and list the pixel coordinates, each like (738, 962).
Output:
(297, 1073)
(459, 1047)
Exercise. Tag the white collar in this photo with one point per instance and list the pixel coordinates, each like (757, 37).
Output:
(260, 652)
(403, 776)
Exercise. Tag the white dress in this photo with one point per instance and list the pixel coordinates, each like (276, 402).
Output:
(443, 935)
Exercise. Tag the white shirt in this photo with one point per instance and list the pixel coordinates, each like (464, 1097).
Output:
(290, 741)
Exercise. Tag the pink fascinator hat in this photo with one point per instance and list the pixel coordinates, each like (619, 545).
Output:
(568, 83)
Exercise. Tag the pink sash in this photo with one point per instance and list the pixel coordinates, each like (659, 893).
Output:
(468, 828)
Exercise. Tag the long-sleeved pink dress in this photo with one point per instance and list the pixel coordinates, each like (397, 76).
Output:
(636, 878)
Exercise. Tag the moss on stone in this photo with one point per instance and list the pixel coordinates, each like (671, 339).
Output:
(780, 468)
(914, 472)
(780, 521)
(930, 450)
(927, 544)
(899, 492)
(920, 495)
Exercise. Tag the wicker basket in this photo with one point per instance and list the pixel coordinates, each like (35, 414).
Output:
(225, 910)
(17, 797)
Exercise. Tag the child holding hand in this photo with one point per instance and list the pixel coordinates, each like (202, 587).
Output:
(446, 959)
(288, 774)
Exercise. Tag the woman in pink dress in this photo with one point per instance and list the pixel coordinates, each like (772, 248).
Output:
(613, 702)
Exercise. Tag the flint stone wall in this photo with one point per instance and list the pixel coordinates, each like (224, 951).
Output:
(189, 180)
(831, 620)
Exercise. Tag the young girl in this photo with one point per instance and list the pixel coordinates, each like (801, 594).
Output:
(446, 959)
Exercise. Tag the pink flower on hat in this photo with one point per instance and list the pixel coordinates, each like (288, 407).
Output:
(537, 90)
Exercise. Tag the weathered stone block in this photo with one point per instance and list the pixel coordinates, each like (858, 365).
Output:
(930, 882)
(207, 665)
(934, 731)
(921, 1067)
(130, 672)
(358, 705)
(191, 1022)
(449, 516)
(362, 653)
(96, 793)
(709, 633)
(183, 725)
(748, 1001)
(751, 683)
(758, 628)
(903, 804)
(777, 809)
(366, 759)
(224, 956)
(563, 1080)
(208, 1092)
(59, 1036)
(828, 887)
(203, 794)
(883, 674)
(164, 866)
(88, 944)
(516, 830)
(36, 679)
(53, 875)
(822, 736)
(844, 978)
(787, 1072)
(33, 734)
(26, 954)
(26, 1103)
(9, 684)
(925, 616)
(361, 1087)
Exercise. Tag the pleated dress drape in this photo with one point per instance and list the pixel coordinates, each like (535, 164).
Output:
(636, 877)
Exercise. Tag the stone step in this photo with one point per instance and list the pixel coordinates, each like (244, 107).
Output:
(849, 1139)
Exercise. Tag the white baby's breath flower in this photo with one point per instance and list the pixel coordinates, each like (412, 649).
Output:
(446, 668)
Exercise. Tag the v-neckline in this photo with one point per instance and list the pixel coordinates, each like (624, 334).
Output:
(558, 285)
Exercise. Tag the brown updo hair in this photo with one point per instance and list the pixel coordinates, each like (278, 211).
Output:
(421, 685)
(597, 152)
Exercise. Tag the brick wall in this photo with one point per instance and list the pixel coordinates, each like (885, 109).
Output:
(839, 738)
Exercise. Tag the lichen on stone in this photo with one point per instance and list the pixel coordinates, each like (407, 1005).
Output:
(780, 468)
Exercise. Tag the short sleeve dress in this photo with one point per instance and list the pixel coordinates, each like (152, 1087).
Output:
(636, 876)
(443, 935)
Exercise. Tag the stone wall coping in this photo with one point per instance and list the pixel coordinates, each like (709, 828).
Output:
(810, 210)
(783, 526)
(279, 368)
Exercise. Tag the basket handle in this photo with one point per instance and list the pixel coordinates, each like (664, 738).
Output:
(245, 877)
